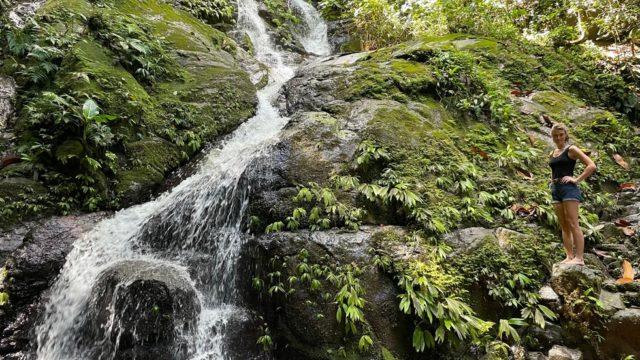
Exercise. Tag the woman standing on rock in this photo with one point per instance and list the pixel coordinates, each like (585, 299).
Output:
(566, 193)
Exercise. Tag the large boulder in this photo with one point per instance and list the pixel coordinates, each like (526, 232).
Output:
(565, 278)
(39, 251)
(143, 310)
(304, 325)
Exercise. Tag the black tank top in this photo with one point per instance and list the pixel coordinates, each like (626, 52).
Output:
(562, 165)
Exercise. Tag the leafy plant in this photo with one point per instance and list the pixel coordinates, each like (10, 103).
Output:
(211, 11)
(439, 318)
(144, 56)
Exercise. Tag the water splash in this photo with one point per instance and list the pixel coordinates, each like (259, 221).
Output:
(312, 32)
(195, 228)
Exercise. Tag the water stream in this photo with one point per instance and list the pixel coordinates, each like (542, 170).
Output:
(194, 229)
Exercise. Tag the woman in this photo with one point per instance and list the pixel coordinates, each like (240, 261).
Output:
(566, 193)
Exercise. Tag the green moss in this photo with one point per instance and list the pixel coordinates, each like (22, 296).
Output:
(397, 79)
(15, 186)
(179, 27)
(119, 92)
(4, 298)
(558, 105)
(222, 98)
(150, 160)
(65, 7)
(22, 169)
(398, 128)
(69, 149)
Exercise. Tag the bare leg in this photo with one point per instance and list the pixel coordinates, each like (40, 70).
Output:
(567, 237)
(571, 216)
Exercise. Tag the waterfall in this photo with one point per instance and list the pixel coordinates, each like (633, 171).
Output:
(194, 230)
(313, 30)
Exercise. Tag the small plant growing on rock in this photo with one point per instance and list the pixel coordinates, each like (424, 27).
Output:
(265, 339)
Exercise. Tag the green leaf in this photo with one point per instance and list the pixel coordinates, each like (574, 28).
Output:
(418, 339)
(102, 118)
(90, 109)
(365, 342)
(4, 298)
(548, 312)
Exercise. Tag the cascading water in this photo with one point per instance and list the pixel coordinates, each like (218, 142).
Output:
(194, 230)
(312, 30)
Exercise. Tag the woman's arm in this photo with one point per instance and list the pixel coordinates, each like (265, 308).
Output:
(576, 153)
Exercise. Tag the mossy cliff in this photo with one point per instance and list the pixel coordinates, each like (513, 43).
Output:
(171, 82)
(443, 142)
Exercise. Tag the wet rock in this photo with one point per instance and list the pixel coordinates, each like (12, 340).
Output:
(340, 39)
(40, 252)
(559, 352)
(12, 239)
(622, 335)
(142, 310)
(23, 11)
(312, 147)
(240, 330)
(312, 89)
(518, 352)
(631, 298)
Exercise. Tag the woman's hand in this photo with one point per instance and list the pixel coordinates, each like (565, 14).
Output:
(569, 180)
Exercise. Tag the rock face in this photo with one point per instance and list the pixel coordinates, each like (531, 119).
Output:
(142, 310)
(40, 252)
(622, 335)
(7, 96)
(296, 321)
(566, 278)
(312, 147)
(340, 39)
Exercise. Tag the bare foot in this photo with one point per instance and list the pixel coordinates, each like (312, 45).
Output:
(575, 261)
(566, 260)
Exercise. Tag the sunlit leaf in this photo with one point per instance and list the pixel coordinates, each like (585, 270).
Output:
(627, 273)
(620, 161)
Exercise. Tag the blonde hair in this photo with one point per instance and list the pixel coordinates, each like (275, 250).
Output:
(563, 127)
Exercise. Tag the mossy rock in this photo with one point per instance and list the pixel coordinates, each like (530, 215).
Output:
(13, 187)
(201, 93)
(150, 160)
(21, 169)
(119, 92)
(69, 149)
(397, 127)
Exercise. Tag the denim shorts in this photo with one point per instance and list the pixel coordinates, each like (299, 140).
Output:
(564, 192)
